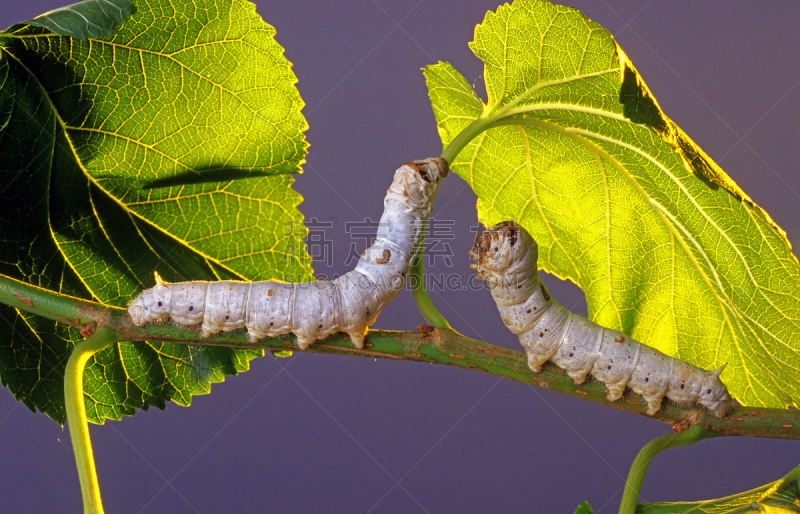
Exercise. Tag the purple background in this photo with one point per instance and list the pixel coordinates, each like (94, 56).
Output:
(322, 433)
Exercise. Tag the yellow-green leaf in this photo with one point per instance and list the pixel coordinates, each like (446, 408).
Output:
(165, 147)
(667, 248)
(779, 497)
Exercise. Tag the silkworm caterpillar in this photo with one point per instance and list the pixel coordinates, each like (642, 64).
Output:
(506, 257)
(311, 310)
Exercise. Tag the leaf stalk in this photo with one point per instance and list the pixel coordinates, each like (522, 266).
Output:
(420, 290)
(633, 485)
(76, 416)
(419, 286)
(472, 131)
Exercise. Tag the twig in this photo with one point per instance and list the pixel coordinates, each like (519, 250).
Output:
(430, 345)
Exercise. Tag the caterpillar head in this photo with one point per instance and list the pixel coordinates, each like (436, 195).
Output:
(714, 395)
(151, 304)
(506, 250)
(415, 183)
(432, 169)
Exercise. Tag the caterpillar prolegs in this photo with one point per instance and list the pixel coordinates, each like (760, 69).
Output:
(311, 310)
(506, 256)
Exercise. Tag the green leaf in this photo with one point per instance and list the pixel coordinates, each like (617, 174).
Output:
(85, 19)
(167, 148)
(666, 247)
(584, 508)
(780, 497)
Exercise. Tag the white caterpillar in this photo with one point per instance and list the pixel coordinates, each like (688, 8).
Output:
(506, 257)
(311, 310)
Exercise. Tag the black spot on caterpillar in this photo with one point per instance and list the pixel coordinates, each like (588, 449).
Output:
(506, 257)
(311, 310)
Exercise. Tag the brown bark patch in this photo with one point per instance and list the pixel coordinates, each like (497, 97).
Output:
(88, 329)
(24, 299)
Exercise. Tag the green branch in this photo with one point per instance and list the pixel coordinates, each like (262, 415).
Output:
(633, 484)
(76, 415)
(62, 308)
(430, 345)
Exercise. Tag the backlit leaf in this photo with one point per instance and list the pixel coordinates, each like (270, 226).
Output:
(664, 244)
(166, 147)
(779, 497)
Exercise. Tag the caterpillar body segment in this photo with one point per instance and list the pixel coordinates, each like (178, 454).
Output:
(311, 310)
(506, 256)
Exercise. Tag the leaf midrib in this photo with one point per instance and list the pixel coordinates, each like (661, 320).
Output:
(698, 207)
(639, 189)
(69, 8)
(725, 303)
(58, 119)
(741, 322)
(542, 85)
(91, 179)
(124, 206)
(718, 288)
(177, 62)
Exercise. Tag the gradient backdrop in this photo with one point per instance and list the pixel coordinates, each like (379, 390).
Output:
(332, 434)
